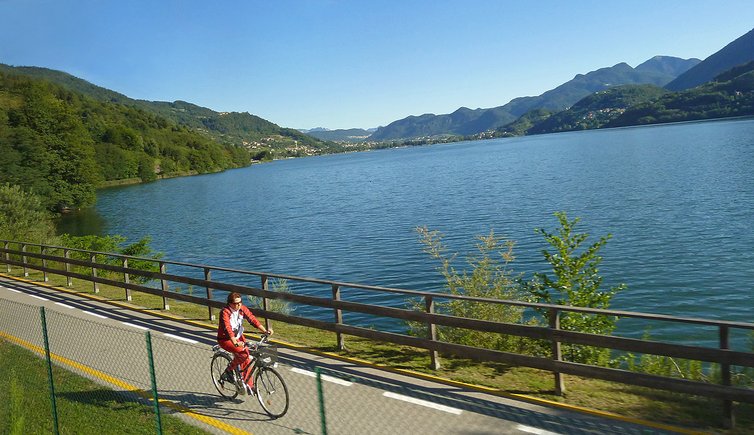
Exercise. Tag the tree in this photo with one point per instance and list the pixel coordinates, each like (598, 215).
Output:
(23, 217)
(576, 282)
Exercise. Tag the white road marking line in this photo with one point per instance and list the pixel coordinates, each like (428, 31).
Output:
(95, 314)
(181, 338)
(13, 290)
(534, 430)
(423, 403)
(64, 305)
(327, 378)
(134, 326)
(39, 297)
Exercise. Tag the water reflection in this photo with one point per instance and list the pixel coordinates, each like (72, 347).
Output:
(82, 222)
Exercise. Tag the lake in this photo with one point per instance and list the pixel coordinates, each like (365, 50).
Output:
(678, 200)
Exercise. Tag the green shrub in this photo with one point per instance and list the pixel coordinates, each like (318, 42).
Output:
(490, 276)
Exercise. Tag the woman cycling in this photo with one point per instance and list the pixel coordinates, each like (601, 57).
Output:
(230, 337)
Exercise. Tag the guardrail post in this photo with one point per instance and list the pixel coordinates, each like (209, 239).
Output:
(321, 400)
(23, 259)
(164, 286)
(126, 280)
(153, 379)
(208, 277)
(265, 286)
(68, 279)
(94, 272)
(338, 317)
(434, 360)
(7, 257)
(50, 380)
(728, 417)
(557, 354)
(43, 251)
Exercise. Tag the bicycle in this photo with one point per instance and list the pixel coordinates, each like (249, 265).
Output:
(269, 386)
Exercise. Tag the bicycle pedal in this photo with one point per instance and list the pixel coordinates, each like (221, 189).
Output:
(241, 389)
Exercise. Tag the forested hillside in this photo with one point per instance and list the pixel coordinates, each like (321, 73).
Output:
(61, 144)
(242, 129)
(730, 94)
(598, 109)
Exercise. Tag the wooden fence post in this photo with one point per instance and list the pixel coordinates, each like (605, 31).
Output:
(68, 279)
(7, 257)
(557, 355)
(23, 259)
(164, 286)
(94, 272)
(729, 419)
(265, 286)
(208, 277)
(43, 251)
(430, 305)
(126, 280)
(338, 317)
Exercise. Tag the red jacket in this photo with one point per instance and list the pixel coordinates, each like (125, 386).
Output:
(224, 330)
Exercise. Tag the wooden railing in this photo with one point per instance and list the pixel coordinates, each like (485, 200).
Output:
(40, 257)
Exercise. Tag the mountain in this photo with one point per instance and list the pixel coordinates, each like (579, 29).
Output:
(736, 53)
(234, 128)
(667, 65)
(656, 71)
(729, 94)
(598, 109)
(340, 135)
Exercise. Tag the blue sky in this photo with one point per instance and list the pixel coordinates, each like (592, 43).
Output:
(357, 63)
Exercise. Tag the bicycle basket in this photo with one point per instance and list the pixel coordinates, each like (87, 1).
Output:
(266, 356)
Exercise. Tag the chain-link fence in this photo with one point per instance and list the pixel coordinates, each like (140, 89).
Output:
(100, 370)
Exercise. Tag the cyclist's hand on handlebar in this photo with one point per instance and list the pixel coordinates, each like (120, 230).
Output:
(269, 331)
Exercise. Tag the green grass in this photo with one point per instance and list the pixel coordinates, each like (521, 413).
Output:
(629, 401)
(82, 406)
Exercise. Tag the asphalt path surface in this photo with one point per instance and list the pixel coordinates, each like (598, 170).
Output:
(106, 343)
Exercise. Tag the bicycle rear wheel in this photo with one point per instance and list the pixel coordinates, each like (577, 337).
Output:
(272, 392)
(219, 363)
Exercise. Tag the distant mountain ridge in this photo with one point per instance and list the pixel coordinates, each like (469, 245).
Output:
(738, 52)
(657, 71)
(730, 94)
(341, 135)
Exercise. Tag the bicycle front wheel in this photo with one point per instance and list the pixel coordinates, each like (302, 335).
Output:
(272, 392)
(227, 388)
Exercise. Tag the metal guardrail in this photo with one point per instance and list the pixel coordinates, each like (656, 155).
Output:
(39, 258)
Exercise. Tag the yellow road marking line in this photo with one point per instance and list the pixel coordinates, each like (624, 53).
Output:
(128, 387)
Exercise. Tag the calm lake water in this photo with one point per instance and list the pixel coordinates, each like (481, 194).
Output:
(678, 200)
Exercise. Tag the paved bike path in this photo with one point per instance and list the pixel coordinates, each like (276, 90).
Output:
(359, 399)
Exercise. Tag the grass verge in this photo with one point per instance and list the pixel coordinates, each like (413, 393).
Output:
(82, 405)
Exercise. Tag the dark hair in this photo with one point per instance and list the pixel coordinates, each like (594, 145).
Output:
(234, 295)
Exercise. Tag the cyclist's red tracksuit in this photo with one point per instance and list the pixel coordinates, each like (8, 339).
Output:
(231, 325)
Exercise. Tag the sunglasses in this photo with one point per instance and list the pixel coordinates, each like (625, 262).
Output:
(236, 303)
